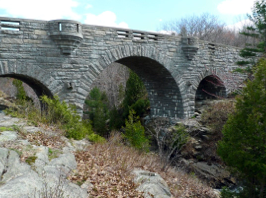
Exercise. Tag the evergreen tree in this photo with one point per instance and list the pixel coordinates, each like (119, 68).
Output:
(116, 119)
(135, 132)
(135, 93)
(257, 32)
(98, 110)
(243, 147)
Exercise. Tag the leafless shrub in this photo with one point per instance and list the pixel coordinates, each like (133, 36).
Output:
(112, 81)
(169, 140)
(48, 191)
(215, 116)
(206, 27)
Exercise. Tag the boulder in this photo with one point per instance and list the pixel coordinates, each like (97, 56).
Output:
(152, 184)
(214, 174)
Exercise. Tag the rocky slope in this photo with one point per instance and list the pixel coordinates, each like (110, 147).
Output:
(36, 162)
(199, 155)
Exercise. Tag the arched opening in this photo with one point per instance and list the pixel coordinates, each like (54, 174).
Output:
(34, 89)
(210, 88)
(163, 92)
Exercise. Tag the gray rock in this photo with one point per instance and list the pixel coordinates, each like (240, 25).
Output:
(32, 129)
(66, 160)
(23, 142)
(22, 186)
(215, 174)
(19, 180)
(78, 144)
(14, 167)
(42, 158)
(8, 122)
(151, 184)
(3, 160)
(8, 136)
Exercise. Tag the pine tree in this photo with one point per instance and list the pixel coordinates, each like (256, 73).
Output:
(257, 33)
(135, 132)
(98, 110)
(243, 147)
(135, 95)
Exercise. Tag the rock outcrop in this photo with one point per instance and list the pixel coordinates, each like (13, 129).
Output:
(29, 168)
(38, 175)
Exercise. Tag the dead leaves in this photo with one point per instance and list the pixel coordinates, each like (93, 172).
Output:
(107, 179)
(45, 139)
(105, 171)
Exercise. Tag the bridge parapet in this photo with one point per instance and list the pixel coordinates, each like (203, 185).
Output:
(138, 35)
(67, 34)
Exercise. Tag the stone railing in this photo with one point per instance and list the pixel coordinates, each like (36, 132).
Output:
(138, 35)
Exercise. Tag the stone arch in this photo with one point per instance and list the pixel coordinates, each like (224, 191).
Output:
(215, 83)
(38, 79)
(153, 67)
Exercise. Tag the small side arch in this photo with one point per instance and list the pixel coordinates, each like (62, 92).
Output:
(39, 80)
(209, 84)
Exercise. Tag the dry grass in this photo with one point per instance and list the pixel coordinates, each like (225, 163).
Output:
(108, 167)
(217, 114)
(215, 117)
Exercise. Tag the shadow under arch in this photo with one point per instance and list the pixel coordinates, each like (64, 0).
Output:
(163, 92)
(210, 87)
(36, 85)
(38, 88)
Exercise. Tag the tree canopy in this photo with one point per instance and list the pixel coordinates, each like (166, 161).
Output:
(243, 145)
(257, 33)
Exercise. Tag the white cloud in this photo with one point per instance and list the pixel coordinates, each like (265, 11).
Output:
(106, 18)
(167, 32)
(88, 6)
(239, 25)
(235, 7)
(42, 9)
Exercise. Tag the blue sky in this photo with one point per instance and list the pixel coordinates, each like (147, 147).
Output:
(145, 15)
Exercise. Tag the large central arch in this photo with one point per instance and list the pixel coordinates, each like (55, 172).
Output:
(151, 66)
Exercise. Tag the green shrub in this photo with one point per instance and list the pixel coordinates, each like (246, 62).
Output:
(67, 118)
(31, 160)
(21, 94)
(3, 128)
(140, 106)
(135, 132)
(59, 114)
(226, 193)
(98, 110)
(135, 90)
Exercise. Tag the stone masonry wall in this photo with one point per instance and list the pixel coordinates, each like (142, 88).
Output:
(65, 57)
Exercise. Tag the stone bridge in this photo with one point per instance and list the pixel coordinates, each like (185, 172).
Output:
(64, 57)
